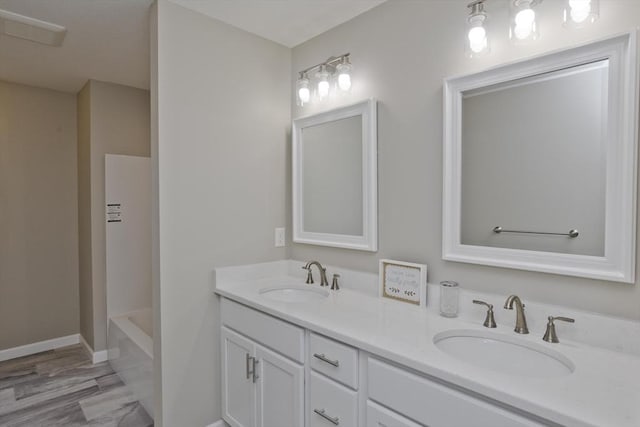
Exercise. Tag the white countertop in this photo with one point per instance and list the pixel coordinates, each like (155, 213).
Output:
(603, 391)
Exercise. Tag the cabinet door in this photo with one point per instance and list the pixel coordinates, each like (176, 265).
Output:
(280, 390)
(238, 390)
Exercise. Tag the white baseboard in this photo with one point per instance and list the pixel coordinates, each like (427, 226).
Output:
(96, 356)
(218, 424)
(37, 347)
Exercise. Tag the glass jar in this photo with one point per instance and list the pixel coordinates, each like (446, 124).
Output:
(449, 298)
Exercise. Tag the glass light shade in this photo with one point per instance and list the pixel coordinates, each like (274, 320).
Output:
(578, 13)
(323, 82)
(344, 70)
(303, 91)
(523, 26)
(477, 43)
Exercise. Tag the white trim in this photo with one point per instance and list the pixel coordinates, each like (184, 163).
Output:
(95, 356)
(369, 240)
(37, 347)
(219, 423)
(618, 262)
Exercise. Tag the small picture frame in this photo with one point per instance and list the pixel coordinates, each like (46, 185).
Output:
(403, 281)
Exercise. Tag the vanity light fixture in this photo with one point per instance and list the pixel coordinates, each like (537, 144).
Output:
(334, 73)
(578, 13)
(477, 42)
(523, 26)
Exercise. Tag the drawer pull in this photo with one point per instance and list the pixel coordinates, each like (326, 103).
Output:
(322, 413)
(322, 357)
(248, 365)
(254, 371)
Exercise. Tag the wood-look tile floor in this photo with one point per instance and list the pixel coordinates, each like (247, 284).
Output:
(63, 388)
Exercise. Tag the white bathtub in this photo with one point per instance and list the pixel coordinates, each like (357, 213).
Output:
(130, 343)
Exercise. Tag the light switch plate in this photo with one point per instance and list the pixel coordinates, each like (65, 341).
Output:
(279, 237)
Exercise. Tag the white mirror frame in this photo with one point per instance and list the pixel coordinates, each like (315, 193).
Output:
(618, 262)
(369, 240)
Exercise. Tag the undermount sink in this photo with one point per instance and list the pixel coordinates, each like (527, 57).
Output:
(294, 293)
(502, 353)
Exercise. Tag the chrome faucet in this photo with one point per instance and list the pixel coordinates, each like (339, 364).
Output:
(323, 273)
(521, 321)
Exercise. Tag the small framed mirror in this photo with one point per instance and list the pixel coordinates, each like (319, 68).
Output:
(540, 163)
(335, 183)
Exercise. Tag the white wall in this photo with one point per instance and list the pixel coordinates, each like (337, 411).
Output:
(38, 215)
(402, 51)
(223, 117)
(128, 235)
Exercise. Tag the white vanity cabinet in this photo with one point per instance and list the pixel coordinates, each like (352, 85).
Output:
(260, 386)
(273, 371)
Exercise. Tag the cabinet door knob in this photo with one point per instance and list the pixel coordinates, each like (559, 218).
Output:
(324, 358)
(322, 413)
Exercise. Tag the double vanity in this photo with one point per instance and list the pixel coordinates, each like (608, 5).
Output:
(296, 354)
(560, 198)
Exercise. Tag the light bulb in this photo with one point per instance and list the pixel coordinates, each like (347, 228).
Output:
(304, 94)
(525, 21)
(580, 10)
(344, 74)
(477, 39)
(477, 42)
(344, 81)
(323, 88)
(323, 82)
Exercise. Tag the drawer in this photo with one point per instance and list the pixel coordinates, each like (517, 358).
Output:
(432, 403)
(337, 404)
(334, 359)
(377, 416)
(274, 333)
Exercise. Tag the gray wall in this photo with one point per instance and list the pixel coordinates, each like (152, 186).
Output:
(84, 214)
(38, 215)
(118, 123)
(402, 51)
(223, 118)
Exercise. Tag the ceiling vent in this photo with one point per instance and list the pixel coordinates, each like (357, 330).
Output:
(35, 30)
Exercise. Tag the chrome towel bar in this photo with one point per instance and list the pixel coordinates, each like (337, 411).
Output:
(572, 233)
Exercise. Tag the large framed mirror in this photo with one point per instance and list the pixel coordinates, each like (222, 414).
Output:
(335, 178)
(540, 163)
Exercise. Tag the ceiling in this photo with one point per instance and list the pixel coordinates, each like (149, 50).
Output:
(287, 22)
(106, 40)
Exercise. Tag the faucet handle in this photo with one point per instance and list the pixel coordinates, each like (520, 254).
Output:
(334, 283)
(489, 321)
(309, 275)
(550, 334)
